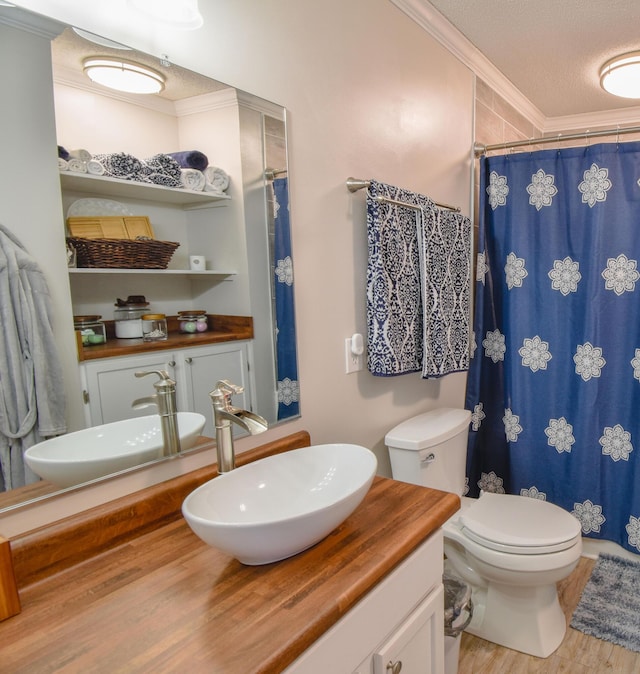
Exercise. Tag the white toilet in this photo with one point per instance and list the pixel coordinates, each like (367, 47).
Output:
(511, 550)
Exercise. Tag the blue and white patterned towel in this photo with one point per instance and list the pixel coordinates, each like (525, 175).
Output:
(120, 165)
(446, 268)
(394, 303)
(161, 169)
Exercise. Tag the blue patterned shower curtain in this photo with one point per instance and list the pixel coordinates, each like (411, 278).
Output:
(554, 383)
(287, 366)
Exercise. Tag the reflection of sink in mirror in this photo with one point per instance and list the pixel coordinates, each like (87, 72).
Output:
(94, 452)
(275, 507)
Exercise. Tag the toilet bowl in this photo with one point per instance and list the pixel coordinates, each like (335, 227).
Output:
(511, 550)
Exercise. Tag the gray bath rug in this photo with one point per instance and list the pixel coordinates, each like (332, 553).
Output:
(609, 607)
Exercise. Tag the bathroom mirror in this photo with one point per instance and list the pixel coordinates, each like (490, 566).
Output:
(262, 158)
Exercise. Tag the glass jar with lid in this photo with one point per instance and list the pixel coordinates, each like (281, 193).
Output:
(154, 327)
(194, 320)
(128, 316)
(91, 330)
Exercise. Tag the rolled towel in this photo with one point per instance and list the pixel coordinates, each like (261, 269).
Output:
(120, 165)
(216, 179)
(161, 169)
(63, 164)
(192, 179)
(77, 165)
(191, 159)
(95, 168)
(62, 153)
(82, 155)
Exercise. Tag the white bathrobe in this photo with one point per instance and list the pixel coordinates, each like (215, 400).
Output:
(32, 403)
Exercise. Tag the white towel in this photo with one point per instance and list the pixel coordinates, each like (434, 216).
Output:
(63, 164)
(192, 179)
(217, 180)
(77, 166)
(95, 168)
(82, 155)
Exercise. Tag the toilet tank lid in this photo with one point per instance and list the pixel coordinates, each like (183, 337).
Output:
(428, 429)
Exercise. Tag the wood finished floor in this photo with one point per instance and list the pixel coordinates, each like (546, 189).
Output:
(578, 653)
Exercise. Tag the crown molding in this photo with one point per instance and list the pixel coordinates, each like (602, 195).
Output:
(32, 23)
(434, 23)
(592, 121)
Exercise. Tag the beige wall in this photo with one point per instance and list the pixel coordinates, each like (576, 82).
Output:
(368, 94)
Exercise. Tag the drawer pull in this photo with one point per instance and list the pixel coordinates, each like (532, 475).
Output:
(171, 363)
(188, 360)
(394, 667)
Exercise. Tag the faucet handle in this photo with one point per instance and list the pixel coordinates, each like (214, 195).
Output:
(221, 394)
(165, 383)
(163, 374)
(228, 388)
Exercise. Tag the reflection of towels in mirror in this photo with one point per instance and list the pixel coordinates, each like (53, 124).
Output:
(82, 155)
(161, 169)
(192, 179)
(191, 159)
(95, 168)
(77, 165)
(217, 180)
(120, 165)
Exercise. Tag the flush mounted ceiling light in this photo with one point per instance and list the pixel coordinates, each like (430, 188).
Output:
(177, 13)
(123, 75)
(620, 76)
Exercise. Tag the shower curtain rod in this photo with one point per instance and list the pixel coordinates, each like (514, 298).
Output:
(479, 148)
(355, 184)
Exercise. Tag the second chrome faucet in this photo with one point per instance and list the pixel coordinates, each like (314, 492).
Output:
(224, 414)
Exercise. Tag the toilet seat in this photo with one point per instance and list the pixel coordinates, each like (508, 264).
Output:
(519, 525)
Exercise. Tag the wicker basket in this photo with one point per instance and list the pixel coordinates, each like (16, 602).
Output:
(123, 253)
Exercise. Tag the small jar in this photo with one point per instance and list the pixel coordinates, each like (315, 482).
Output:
(128, 321)
(193, 321)
(91, 330)
(154, 327)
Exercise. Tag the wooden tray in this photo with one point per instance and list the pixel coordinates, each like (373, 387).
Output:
(110, 227)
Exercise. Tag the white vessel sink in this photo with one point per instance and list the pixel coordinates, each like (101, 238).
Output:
(85, 455)
(278, 506)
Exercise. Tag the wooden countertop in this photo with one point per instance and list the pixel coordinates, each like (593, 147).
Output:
(163, 601)
(222, 328)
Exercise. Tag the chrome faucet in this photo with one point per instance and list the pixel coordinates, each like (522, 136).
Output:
(165, 400)
(224, 413)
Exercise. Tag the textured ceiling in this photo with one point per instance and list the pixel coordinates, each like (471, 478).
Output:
(551, 50)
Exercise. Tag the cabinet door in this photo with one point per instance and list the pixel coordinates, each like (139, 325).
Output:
(417, 646)
(204, 367)
(112, 385)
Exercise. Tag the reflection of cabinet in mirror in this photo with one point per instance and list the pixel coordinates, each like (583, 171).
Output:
(224, 229)
(195, 371)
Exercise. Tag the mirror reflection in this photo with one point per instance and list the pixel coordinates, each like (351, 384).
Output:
(230, 272)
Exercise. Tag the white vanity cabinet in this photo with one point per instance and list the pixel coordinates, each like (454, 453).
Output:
(110, 384)
(397, 627)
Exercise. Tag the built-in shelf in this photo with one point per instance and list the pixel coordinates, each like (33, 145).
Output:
(162, 272)
(113, 187)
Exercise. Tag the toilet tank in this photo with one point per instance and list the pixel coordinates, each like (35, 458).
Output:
(431, 449)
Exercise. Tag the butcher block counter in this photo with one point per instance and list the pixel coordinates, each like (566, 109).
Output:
(127, 587)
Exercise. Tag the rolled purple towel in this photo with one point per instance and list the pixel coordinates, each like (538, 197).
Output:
(191, 159)
(62, 153)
